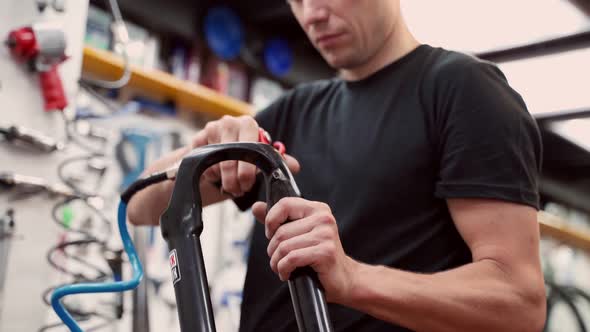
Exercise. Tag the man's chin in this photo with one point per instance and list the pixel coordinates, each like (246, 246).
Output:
(338, 62)
(341, 60)
(343, 65)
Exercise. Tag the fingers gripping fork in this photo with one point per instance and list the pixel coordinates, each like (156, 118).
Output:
(182, 225)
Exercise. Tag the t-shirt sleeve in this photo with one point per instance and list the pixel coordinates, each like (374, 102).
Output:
(490, 146)
(273, 119)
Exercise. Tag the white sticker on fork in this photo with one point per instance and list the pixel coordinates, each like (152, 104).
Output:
(174, 266)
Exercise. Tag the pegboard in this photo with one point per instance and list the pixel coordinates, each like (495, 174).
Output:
(21, 308)
(28, 274)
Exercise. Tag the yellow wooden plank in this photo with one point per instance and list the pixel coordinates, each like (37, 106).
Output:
(554, 227)
(106, 65)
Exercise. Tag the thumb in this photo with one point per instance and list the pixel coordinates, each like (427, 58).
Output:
(292, 163)
(259, 211)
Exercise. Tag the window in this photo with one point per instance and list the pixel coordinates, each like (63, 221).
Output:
(478, 26)
(556, 82)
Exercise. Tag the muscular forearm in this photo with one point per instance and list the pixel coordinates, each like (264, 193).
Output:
(481, 296)
(147, 205)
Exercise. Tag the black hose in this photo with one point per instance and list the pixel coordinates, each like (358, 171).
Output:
(75, 275)
(557, 293)
(142, 184)
(58, 221)
(61, 174)
(108, 321)
(73, 138)
(88, 238)
(101, 216)
(59, 324)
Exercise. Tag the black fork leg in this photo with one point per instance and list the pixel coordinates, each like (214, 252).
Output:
(182, 225)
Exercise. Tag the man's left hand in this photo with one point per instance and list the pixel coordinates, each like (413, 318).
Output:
(309, 239)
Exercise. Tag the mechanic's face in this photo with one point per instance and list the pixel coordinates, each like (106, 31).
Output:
(347, 32)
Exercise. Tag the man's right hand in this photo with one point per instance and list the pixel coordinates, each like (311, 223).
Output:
(236, 178)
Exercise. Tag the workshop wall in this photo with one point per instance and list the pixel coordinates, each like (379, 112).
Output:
(106, 129)
(22, 103)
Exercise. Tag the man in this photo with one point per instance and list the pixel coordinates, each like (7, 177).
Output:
(419, 170)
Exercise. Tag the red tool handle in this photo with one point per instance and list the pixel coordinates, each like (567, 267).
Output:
(53, 91)
(264, 137)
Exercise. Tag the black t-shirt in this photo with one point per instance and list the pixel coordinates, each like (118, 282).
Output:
(384, 153)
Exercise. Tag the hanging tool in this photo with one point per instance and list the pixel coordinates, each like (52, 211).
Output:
(86, 129)
(58, 5)
(28, 137)
(94, 165)
(7, 227)
(42, 46)
(139, 140)
(10, 180)
(181, 228)
(568, 296)
(33, 185)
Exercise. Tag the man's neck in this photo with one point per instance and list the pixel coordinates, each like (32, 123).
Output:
(399, 43)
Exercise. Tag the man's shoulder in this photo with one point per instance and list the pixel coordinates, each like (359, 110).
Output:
(451, 66)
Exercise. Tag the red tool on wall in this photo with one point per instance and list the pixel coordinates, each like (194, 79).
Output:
(43, 47)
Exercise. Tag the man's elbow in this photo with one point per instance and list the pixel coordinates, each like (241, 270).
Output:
(533, 311)
(526, 302)
(538, 303)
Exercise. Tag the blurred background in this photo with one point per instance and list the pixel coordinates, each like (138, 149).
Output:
(92, 91)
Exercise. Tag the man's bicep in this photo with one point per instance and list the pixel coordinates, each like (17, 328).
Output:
(506, 233)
